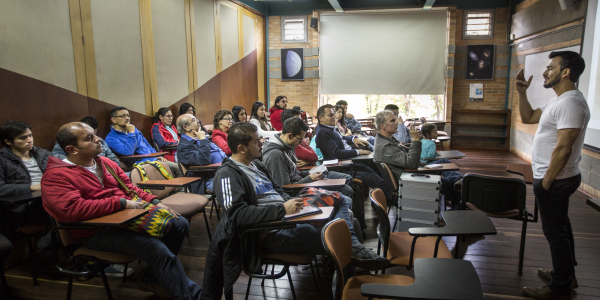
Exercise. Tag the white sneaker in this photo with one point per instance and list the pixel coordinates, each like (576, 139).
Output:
(116, 270)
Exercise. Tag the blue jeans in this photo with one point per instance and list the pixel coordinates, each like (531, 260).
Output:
(160, 255)
(449, 178)
(305, 238)
(553, 205)
(345, 190)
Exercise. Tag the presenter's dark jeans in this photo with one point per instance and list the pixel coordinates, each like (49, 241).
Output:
(160, 255)
(553, 205)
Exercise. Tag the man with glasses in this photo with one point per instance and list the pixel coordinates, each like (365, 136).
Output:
(124, 139)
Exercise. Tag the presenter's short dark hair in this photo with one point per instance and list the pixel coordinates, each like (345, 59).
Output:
(570, 60)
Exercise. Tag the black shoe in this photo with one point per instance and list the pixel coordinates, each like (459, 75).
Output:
(367, 259)
(547, 275)
(544, 293)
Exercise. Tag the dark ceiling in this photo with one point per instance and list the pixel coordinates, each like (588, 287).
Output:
(302, 7)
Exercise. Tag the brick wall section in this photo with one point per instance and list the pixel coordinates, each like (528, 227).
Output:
(299, 93)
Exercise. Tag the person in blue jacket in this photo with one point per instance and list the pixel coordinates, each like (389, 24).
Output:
(195, 149)
(124, 139)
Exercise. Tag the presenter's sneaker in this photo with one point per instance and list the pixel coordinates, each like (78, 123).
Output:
(117, 270)
(367, 259)
(544, 293)
(546, 274)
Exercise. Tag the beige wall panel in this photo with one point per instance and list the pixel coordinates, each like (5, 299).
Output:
(170, 50)
(36, 41)
(229, 36)
(118, 47)
(204, 19)
(249, 36)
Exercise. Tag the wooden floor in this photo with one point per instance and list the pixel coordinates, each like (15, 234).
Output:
(494, 257)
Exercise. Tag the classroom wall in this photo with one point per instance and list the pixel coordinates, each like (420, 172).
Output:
(522, 134)
(299, 93)
(135, 53)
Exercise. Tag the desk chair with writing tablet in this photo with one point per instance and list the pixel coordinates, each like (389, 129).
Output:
(400, 248)
(211, 194)
(499, 197)
(186, 204)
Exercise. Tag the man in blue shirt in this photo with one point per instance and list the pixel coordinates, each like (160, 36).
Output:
(124, 139)
(195, 149)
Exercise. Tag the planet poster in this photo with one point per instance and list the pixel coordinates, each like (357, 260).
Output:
(292, 64)
(480, 62)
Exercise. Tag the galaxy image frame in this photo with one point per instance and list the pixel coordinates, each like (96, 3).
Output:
(480, 62)
(292, 64)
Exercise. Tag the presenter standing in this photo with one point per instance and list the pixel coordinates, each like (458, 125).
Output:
(555, 161)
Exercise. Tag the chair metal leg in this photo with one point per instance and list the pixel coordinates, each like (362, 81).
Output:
(190, 226)
(456, 247)
(317, 266)
(217, 207)
(32, 258)
(105, 281)
(3, 278)
(212, 206)
(291, 284)
(69, 287)
(312, 270)
(264, 273)
(125, 272)
(522, 248)
(207, 227)
(248, 288)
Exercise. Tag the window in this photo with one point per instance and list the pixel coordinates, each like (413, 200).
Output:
(478, 24)
(294, 29)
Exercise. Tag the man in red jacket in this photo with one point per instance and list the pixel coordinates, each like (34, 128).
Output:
(80, 188)
(276, 111)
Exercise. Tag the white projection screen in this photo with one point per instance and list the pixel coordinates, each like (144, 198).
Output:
(401, 52)
(590, 79)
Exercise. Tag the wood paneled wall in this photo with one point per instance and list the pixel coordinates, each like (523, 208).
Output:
(47, 107)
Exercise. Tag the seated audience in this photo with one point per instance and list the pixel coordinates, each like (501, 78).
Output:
(259, 118)
(276, 111)
(239, 114)
(80, 187)
(124, 139)
(403, 134)
(280, 158)
(21, 168)
(335, 146)
(187, 108)
(449, 178)
(164, 132)
(351, 122)
(340, 118)
(250, 197)
(106, 152)
(222, 121)
(195, 149)
(304, 153)
(388, 149)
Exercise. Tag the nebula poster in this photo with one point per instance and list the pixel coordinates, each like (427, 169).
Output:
(292, 64)
(480, 62)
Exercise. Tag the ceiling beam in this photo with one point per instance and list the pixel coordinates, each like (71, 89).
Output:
(336, 5)
(428, 4)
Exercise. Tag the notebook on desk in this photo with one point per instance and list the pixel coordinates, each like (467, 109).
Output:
(306, 211)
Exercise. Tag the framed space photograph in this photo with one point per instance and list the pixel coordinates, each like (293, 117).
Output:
(292, 64)
(480, 62)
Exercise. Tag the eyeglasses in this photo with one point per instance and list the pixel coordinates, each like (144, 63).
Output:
(123, 116)
(170, 117)
(227, 119)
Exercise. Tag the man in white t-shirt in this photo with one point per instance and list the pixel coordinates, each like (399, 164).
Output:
(556, 154)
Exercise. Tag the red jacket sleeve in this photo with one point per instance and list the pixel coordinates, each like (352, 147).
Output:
(306, 153)
(63, 200)
(222, 143)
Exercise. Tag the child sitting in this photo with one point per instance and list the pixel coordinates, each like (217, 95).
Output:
(449, 178)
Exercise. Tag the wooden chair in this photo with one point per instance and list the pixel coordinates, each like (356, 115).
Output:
(400, 248)
(499, 197)
(30, 230)
(390, 180)
(187, 204)
(83, 262)
(338, 244)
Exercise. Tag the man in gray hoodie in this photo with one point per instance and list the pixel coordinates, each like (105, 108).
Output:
(279, 157)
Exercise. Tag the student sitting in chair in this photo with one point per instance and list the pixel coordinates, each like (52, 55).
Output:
(449, 178)
(280, 159)
(187, 108)
(124, 139)
(81, 187)
(251, 197)
(403, 134)
(304, 153)
(106, 152)
(222, 122)
(195, 149)
(164, 133)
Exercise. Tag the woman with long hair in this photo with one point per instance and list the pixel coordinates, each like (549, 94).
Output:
(222, 122)
(164, 132)
(340, 121)
(276, 111)
(258, 117)
(239, 114)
